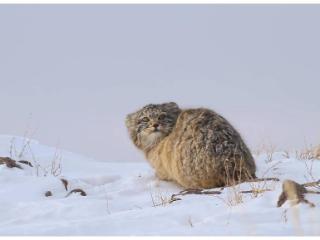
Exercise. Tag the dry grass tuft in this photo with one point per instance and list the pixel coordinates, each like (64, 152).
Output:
(267, 148)
(234, 196)
(159, 199)
(309, 152)
(54, 168)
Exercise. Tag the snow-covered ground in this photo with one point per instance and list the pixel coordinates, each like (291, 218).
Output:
(125, 198)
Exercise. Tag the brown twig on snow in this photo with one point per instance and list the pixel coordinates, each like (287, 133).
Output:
(256, 191)
(10, 163)
(65, 183)
(263, 179)
(311, 184)
(192, 191)
(173, 199)
(26, 162)
(82, 193)
(196, 191)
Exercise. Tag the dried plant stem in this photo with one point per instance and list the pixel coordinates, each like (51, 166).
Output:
(209, 192)
(263, 179)
(77, 190)
(311, 184)
(65, 183)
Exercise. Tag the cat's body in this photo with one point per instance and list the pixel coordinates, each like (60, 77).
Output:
(197, 148)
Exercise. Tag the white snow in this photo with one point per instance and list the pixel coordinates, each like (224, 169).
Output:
(125, 198)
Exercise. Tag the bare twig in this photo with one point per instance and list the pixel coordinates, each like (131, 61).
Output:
(160, 199)
(12, 146)
(56, 167)
(263, 179)
(196, 191)
(26, 162)
(173, 199)
(192, 191)
(256, 191)
(309, 168)
(65, 183)
(77, 190)
(311, 184)
(24, 147)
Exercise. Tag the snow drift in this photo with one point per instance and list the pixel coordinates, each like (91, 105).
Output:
(125, 198)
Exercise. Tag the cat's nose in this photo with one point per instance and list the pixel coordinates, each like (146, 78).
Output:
(155, 125)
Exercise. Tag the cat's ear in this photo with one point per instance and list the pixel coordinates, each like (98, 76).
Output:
(131, 126)
(131, 120)
(171, 106)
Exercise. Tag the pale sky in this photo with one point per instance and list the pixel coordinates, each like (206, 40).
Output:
(71, 73)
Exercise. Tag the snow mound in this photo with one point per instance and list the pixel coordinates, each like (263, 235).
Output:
(127, 199)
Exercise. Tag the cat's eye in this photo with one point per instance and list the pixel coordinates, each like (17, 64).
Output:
(145, 119)
(162, 116)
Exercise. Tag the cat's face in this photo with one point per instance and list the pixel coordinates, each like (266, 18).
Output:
(152, 123)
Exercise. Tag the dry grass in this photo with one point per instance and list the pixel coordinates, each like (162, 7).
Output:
(284, 216)
(234, 196)
(258, 188)
(16, 153)
(25, 151)
(159, 199)
(310, 176)
(267, 148)
(309, 152)
(56, 167)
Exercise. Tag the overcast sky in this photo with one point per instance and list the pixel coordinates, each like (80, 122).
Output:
(71, 73)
